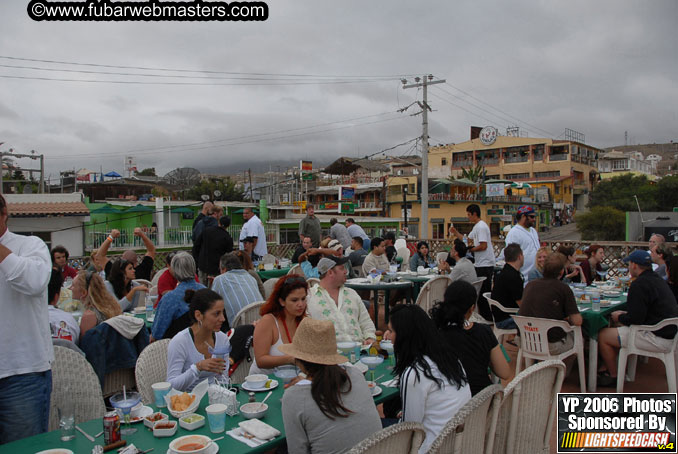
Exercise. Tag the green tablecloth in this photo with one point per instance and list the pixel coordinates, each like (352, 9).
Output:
(144, 439)
(593, 322)
(268, 274)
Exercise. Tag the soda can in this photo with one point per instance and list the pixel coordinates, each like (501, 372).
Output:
(111, 427)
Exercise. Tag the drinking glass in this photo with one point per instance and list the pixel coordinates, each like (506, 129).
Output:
(372, 362)
(66, 412)
(125, 402)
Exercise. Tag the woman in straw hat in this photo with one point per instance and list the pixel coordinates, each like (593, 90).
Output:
(433, 385)
(280, 316)
(332, 409)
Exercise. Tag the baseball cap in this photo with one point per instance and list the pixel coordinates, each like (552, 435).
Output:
(325, 264)
(334, 244)
(639, 257)
(249, 239)
(525, 209)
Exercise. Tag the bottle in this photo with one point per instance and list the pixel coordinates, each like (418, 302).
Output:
(149, 309)
(595, 301)
(465, 239)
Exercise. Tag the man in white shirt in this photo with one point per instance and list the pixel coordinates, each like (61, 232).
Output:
(26, 354)
(482, 251)
(524, 234)
(330, 300)
(61, 323)
(253, 227)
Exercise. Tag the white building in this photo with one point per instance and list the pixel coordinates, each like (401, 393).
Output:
(56, 218)
(616, 163)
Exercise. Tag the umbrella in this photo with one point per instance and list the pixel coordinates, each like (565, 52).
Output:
(106, 209)
(497, 181)
(140, 209)
(181, 210)
(113, 174)
(520, 185)
(240, 211)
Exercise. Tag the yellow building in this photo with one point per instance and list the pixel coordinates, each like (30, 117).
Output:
(559, 176)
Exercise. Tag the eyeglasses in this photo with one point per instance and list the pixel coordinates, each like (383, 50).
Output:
(532, 216)
(295, 280)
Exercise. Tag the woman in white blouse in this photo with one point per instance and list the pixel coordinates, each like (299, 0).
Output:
(189, 360)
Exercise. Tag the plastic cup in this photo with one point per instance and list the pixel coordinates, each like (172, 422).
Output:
(216, 416)
(66, 412)
(161, 389)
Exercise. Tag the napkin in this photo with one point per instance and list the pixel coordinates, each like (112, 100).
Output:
(259, 429)
(390, 383)
(238, 434)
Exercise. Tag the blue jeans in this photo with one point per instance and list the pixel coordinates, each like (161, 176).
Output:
(24, 405)
(366, 244)
(508, 323)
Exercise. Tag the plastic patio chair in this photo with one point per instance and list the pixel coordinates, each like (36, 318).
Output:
(311, 281)
(472, 429)
(247, 314)
(296, 269)
(528, 410)
(151, 368)
(268, 286)
(499, 333)
(73, 379)
(402, 438)
(405, 253)
(631, 350)
(534, 343)
(432, 292)
(476, 317)
(268, 258)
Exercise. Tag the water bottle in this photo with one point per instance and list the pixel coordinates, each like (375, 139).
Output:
(149, 309)
(595, 301)
(465, 240)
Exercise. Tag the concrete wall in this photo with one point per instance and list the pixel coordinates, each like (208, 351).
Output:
(66, 230)
(634, 226)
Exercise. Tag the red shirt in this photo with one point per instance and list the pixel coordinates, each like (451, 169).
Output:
(68, 271)
(165, 283)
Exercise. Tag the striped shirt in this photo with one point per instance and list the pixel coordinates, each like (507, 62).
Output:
(238, 289)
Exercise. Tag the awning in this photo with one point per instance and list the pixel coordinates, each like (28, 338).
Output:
(106, 209)
(140, 209)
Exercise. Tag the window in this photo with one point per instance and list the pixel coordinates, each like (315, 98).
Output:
(438, 231)
(515, 176)
(443, 161)
(547, 174)
(557, 189)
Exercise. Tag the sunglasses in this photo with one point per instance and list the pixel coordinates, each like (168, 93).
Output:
(532, 216)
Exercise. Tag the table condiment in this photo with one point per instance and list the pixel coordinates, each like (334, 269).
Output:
(252, 397)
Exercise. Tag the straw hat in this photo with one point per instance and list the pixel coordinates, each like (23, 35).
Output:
(315, 341)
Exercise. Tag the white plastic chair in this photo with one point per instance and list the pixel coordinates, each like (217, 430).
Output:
(476, 317)
(156, 276)
(432, 292)
(631, 350)
(73, 379)
(499, 333)
(400, 243)
(528, 410)
(268, 258)
(402, 438)
(441, 256)
(534, 343)
(151, 368)
(311, 281)
(247, 314)
(472, 429)
(268, 286)
(296, 269)
(405, 253)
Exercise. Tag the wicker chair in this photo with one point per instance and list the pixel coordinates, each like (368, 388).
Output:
(268, 258)
(311, 281)
(151, 368)
(534, 343)
(403, 438)
(631, 350)
(247, 314)
(471, 430)
(243, 369)
(114, 381)
(432, 292)
(268, 286)
(73, 379)
(528, 410)
(499, 333)
(296, 269)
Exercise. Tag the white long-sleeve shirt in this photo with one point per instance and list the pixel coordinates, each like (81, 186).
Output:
(24, 326)
(424, 402)
(182, 357)
(351, 320)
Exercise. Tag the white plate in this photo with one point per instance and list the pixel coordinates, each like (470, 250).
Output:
(377, 391)
(358, 280)
(141, 414)
(362, 367)
(274, 384)
(213, 449)
(56, 451)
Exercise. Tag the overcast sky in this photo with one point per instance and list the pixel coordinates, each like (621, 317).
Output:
(600, 68)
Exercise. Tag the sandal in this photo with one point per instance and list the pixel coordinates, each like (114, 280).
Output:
(605, 380)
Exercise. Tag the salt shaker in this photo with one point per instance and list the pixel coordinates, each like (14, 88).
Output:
(252, 398)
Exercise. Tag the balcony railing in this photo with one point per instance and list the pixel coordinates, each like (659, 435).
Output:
(488, 161)
(558, 157)
(512, 159)
(463, 163)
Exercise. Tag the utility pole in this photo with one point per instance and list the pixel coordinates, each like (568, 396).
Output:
(423, 82)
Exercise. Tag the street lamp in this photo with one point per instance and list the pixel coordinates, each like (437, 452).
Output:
(405, 208)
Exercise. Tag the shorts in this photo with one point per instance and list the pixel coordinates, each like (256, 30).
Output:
(562, 345)
(646, 340)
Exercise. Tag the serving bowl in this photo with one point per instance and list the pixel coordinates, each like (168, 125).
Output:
(177, 443)
(254, 410)
(256, 380)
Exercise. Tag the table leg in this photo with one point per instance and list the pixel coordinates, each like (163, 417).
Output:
(376, 309)
(593, 365)
(387, 294)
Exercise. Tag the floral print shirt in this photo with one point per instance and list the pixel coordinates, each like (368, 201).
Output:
(351, 320)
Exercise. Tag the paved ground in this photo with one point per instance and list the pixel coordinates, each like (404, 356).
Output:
(565, 232)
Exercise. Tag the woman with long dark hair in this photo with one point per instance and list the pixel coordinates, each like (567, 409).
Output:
(420, 258)
(332, 409)
(573, 272)
(594, 257)
(121, 284)
(280, 317)
(474, 343)
(433, 385)
(189, 360)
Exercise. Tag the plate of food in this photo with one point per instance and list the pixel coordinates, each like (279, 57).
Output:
(612, 294)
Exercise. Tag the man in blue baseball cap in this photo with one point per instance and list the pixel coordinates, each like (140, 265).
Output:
(650, 301)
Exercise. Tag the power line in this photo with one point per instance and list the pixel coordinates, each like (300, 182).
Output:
(143, 68)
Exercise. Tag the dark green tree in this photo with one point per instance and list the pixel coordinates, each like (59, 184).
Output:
(602, 224)
(476, 174)
(618, 192)
(150, 172)
(228, 188)
(667, 193)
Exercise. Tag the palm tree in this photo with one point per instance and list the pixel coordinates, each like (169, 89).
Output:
(476, 174)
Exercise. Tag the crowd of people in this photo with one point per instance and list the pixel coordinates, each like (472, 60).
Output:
(442, 358)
